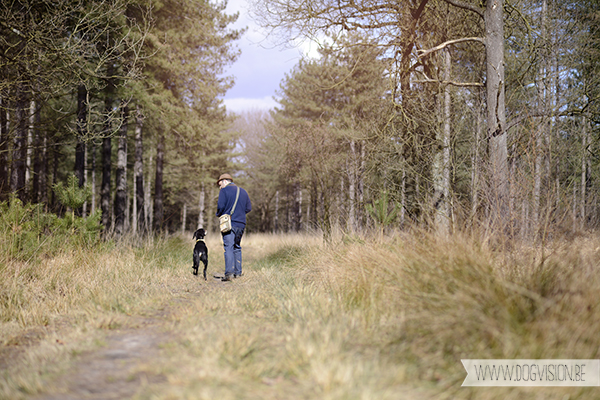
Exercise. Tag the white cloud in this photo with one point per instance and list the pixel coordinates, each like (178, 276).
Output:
(241, 104)
(262, 65)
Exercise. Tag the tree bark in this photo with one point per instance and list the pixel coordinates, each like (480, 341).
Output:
(55, 156)
(140, 216)
(352, 174)
(121, 174)
(79, 168)
(148, 196)
(158, 184)
(584, 175)
(29, 159)
(541, 134)
(298, 207)
(17, 178)
(441, 174)
(361, 187)
(93, 178)
(496, 114)
(201, 207)
(276, 225)
(38, 157)
(81, 133)
(105, 191)
(4, 178)
(43, 197)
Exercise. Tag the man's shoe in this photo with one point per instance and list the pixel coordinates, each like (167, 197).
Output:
(226, 278)
(237, 276)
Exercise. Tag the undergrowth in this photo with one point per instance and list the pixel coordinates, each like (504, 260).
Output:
(27, 233)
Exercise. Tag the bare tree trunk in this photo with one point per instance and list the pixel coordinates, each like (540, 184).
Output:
(183, 217)
(584, 176)
(134, 213)
(140, 217)
(85, 178)
(288, 200)
(352, 188)
(121, 174)
(341, 205)
(403, 198)
(556, 101)
(81, 133)
(148, 196)
(211, 219)
(307, 225)
(441, 174)
(29, 157)
(201, 207)
(446, 144)
(93, 178)
(541, 136)
(29, 162)
(574, 225)
(496, 114)
(38, 157)
(276, 227)
(106, 165)
(4, 178)
(361, 187)
(17, 181)
(299, 208)
(79, 167)
(327, 223)
(43, 197)
(158, 184)
(55, 155)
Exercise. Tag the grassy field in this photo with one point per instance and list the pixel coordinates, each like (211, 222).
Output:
(358, 319)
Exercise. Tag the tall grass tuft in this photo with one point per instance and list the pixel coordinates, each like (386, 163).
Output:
(431, 301)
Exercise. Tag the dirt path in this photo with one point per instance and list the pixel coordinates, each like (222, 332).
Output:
(112, 372)
(117, 369)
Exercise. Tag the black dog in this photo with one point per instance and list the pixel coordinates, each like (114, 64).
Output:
(200, 251)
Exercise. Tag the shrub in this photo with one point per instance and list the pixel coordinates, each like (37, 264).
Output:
(28, 233)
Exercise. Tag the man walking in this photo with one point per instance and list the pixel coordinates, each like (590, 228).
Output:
(233, 200)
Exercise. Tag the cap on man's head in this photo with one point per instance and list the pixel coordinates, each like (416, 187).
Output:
(224, 176)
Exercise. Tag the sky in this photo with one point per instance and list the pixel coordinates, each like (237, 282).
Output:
(261, 66)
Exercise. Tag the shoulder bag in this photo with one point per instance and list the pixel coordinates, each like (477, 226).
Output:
(225, 219)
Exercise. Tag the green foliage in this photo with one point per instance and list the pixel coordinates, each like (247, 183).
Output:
(380, 211)
(72, 195)
(28, 233)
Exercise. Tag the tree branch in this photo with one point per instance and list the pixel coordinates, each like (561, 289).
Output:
(423, 53)
(459, 84)
(466, 6)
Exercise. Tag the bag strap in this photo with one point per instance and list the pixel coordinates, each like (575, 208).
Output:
(237, 195)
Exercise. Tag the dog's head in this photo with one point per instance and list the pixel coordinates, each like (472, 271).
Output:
(199, 234)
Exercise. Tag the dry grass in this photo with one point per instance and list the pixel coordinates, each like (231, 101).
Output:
(356, 320)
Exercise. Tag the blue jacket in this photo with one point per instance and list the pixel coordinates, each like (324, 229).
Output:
(225, 204)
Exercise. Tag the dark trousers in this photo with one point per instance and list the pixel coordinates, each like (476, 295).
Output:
(233, 251)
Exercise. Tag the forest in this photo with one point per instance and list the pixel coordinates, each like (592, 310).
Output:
(425, 192)
(448, 115)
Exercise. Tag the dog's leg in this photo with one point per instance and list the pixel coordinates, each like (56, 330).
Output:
(196, 263)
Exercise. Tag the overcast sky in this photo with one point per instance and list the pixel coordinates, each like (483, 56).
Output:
(260, 68)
